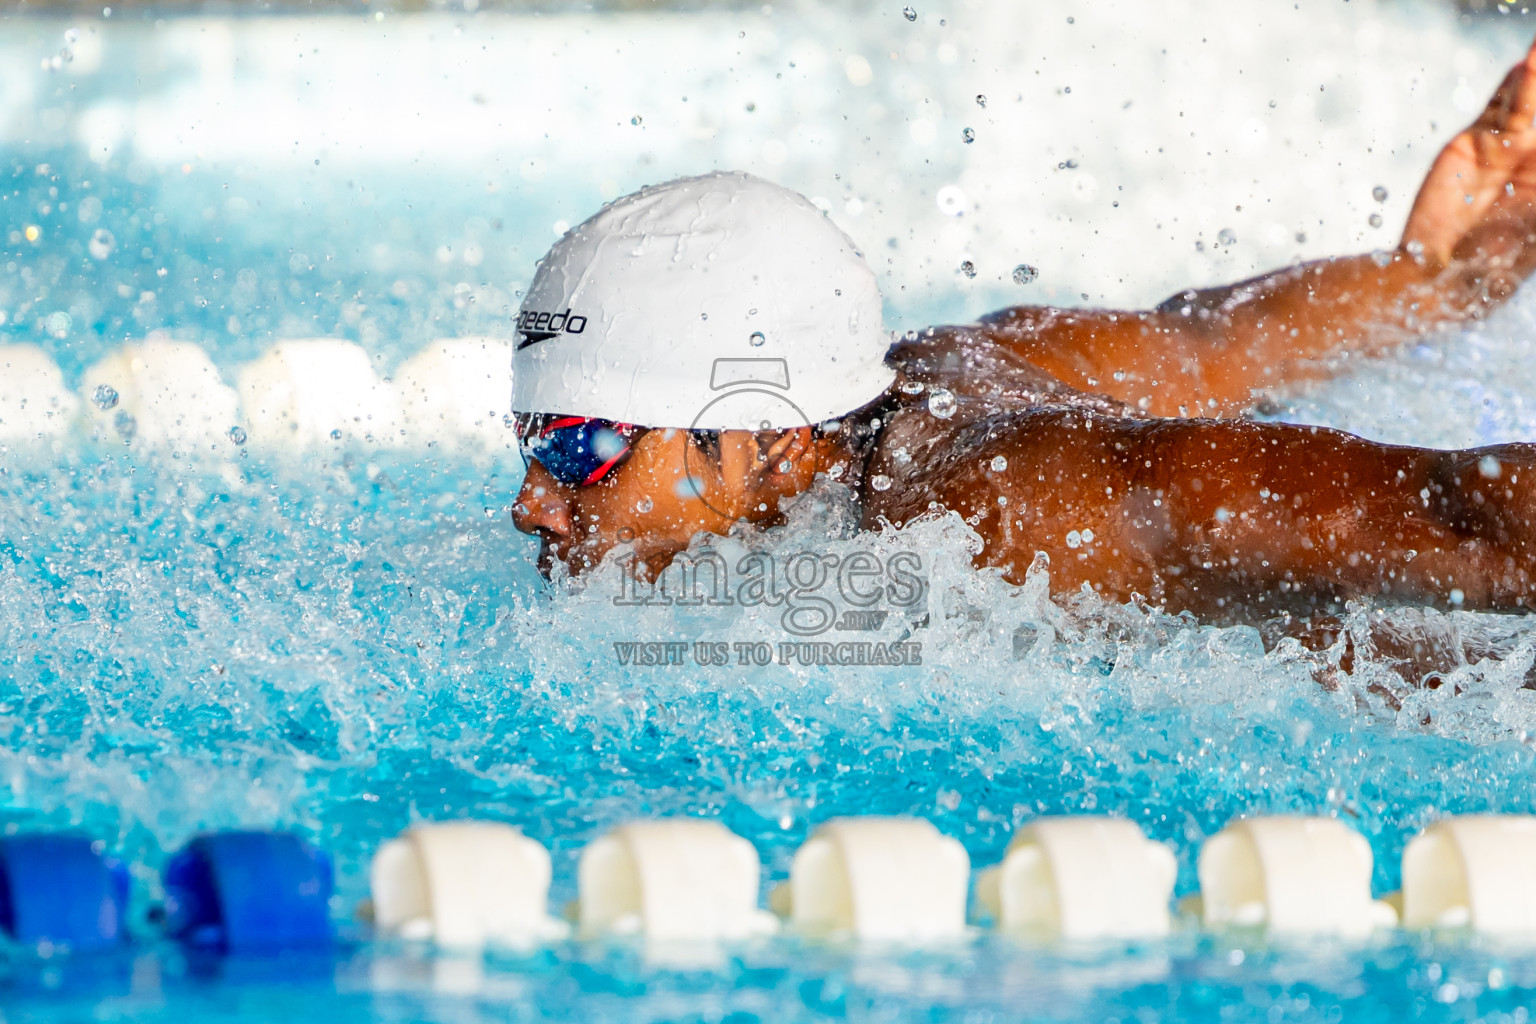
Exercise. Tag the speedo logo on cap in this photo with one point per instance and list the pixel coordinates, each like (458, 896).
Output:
(536, 326)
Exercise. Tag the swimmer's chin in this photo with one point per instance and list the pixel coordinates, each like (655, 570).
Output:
(577, 560)
(573, 560)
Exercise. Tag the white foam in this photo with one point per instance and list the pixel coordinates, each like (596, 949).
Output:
(1273, 120)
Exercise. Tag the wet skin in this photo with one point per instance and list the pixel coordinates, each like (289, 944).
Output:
(1117, 442)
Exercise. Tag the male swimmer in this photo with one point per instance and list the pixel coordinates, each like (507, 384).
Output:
(700, 350)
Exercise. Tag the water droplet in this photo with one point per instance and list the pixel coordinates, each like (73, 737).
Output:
(1226, 236)
(968, 268)
(237, 435)
(969, 135)
(58, 324)
(757, 339)
(952, 201)
(1374, 220)
(125, 424)
(912, 387)
(942, 403)
(1025, 274)
(999, 463)
(644, 505)
(880, 482)
(1381, 257)
(689, 487)
(1379, 194)
(909, 14)
(102, 244)
(105, 397)
(637, 120)
(336, 434)
(981, 100)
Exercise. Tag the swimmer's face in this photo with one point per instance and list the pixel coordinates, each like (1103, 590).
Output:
(668, 490)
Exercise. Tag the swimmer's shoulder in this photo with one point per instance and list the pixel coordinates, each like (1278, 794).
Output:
(982, 366)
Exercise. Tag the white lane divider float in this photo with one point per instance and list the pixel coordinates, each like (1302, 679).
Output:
(161, 394)
(874, 878)
(464, 884)
(300, 395)
(457, 391)
(1477, 871)
(310, 393)
(1291, 875)
(1081, 878)
(676, 879)
(34, 403)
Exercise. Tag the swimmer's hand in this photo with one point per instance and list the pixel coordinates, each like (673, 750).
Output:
(1479, 199)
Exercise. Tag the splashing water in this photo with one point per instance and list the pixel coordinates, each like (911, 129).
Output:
(350, 646)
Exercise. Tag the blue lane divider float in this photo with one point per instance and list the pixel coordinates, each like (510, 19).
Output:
(249, 891)
(59, 889)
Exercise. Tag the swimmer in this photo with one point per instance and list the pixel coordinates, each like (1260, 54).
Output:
(697, 352)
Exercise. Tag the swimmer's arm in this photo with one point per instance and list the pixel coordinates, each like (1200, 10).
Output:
(1470, 240)
(1209, 352)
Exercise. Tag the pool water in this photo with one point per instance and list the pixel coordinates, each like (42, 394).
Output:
(352, 640)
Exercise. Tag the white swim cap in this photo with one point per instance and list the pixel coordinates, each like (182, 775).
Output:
(721, 302)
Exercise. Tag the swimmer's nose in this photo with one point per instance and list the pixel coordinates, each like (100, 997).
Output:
(540, 507)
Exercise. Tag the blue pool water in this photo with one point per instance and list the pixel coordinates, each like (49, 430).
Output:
(353, 640)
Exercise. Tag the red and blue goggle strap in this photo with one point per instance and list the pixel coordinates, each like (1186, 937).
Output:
(568, 447)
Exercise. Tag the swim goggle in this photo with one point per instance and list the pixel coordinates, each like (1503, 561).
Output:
(575, 450)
